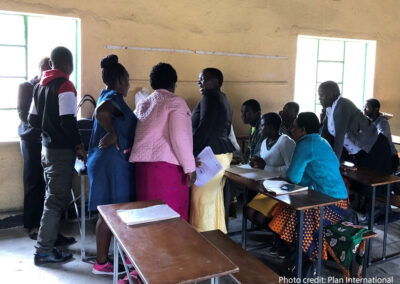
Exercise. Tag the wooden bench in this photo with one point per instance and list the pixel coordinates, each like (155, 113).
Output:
(251, 270)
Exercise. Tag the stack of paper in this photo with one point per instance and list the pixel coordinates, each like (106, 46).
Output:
(248, 172)
(146, 215)
(275, 187)
(210, 166)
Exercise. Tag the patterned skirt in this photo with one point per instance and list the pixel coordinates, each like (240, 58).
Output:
(285, 224)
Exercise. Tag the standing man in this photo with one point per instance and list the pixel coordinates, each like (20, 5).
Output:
(354, 135)
(54, 113)
(288, 114)
(31, 148)
(251, 114)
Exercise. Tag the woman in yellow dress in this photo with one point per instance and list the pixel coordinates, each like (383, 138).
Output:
(211, 122)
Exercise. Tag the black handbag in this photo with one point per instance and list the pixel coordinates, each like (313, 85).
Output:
(85, 125)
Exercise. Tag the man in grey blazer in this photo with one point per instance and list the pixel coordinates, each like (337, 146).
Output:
(352, 135)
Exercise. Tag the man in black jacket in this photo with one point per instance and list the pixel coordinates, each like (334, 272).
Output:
(31, 148)
(54, 113)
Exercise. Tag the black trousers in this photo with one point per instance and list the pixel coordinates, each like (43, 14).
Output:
(34, 185)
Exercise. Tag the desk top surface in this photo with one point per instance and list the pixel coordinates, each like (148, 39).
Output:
(252, 270)
(298, 200)
(170, 251)
(369, 177)
(396, 139)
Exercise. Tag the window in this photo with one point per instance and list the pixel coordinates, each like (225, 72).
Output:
(348, 62)
(24, 41)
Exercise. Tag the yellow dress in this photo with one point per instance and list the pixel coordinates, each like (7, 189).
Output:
(207, 211)
(263, 204)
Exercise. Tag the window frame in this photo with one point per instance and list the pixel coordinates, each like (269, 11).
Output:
(26, 47)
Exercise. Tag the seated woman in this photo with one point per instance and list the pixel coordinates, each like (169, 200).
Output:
(314, 164)
(275, 156)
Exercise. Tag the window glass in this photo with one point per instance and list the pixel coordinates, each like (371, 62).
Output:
(12, 29)
(331, 50)
(12, 61)
(329, 71)
(9, 92)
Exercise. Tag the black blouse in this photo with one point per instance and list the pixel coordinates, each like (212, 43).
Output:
(211, 123)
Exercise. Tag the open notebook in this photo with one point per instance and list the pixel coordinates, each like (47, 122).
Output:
(280, 187)
(146, 215)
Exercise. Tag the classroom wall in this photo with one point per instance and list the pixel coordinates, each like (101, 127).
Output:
(253, 27)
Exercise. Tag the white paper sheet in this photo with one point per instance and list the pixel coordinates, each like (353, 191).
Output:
(79, 165)
(275, 187)
(210, 166)
(248, 172)
(147, 215)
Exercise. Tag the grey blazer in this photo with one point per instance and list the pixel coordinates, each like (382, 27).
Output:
(349, 119)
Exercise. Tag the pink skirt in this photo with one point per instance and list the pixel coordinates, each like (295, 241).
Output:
(165, 181)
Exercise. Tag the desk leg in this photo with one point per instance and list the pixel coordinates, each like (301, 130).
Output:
(83, 217)
(125, 266)
(320, 241)
(300, 245)
(115, 274)
(371, 223)
(227, 201)
(244, 219)
(388, 190)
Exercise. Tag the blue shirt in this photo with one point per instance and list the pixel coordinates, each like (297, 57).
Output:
(314, 164)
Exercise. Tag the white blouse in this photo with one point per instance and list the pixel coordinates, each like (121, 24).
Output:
(278, 158)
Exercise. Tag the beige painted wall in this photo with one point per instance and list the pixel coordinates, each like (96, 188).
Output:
(252, 26)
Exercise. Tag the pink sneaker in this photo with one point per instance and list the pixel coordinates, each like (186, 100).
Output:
(128, 262)
(135, 278)
(106, 268)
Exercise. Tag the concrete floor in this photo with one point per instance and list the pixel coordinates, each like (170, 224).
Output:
(16, 258)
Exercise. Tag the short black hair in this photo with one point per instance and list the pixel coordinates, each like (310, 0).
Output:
(273, 119)
(309, 121)
(374, 103)
(253, 104)
(294, 105)
(215, 73)
(44, 63)
(112, 70)
(163, 76)
(61, 56)
(330, 87)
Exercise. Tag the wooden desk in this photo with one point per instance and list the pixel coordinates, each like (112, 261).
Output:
(300, 201)
(252, 271)
(165, 252)
(373, 179)
(396, 139)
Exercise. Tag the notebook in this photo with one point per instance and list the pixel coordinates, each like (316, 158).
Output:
(147, 215)
(248, 172)
(279, 187)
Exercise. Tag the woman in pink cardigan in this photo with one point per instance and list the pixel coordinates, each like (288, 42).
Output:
(163, 145)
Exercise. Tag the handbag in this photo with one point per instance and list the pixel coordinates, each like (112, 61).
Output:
(85, 125)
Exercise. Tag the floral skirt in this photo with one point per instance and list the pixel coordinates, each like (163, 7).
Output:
(285, 224)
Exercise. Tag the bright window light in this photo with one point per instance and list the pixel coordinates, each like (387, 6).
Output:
(24, 41)
(348, 62)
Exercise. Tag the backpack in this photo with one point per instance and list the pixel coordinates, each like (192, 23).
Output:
(85, 125)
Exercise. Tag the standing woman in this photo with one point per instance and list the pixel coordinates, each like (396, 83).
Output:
(211, 122)
(110, 173)
(163, 148)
